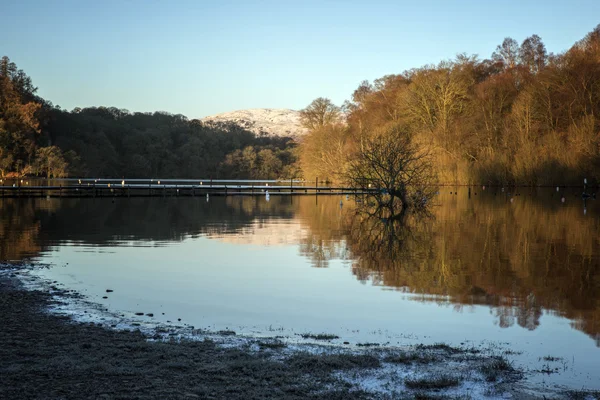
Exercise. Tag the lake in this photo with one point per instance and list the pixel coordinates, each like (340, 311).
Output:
(519, 270)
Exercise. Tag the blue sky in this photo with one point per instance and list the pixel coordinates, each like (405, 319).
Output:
(200, 58)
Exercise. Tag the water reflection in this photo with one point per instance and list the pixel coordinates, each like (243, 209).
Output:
(521, 258)
(29, 227)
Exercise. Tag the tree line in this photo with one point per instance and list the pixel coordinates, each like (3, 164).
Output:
(38, 138)
(522, 116)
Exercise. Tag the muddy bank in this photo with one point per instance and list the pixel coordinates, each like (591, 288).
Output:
(44, 355)
(48, 356)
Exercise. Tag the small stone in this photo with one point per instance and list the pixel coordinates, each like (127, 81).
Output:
(178, 319)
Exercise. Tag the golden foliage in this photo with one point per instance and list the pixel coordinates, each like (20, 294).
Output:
(522, 117)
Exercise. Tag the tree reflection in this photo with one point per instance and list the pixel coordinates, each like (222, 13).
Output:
(325, 239)
(381, 242)
(520, 258)
(532, 256)
(30, 226)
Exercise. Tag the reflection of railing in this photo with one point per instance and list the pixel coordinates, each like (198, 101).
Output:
(104, 189)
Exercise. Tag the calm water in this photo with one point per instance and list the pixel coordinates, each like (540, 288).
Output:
(523, 274)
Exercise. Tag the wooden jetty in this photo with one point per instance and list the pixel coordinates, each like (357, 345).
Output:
(97, 189)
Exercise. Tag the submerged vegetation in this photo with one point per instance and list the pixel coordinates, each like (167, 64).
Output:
(495, 368)
(401, 171)
(436, 382)
(319, 336)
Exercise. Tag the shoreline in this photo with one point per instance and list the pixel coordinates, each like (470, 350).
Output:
(54, 356)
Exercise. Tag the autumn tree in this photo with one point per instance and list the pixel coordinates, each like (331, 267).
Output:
(378, 104)
(493, 101)
(19, 125)
(319, 113)
(324, 152)
(436, 97)
(50, 162)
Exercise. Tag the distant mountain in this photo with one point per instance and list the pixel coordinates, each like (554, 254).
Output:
(264, 121)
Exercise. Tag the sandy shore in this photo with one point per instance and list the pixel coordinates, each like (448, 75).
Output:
(48, 356)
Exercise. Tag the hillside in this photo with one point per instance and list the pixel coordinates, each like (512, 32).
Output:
(264, 121)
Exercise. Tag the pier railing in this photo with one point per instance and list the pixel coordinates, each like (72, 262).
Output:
(157, 190)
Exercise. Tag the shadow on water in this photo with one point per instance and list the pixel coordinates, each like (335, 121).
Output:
(520, 257)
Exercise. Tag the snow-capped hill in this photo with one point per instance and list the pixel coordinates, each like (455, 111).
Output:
(264, 121)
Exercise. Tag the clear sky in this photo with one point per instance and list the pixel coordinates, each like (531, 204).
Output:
(200, 57)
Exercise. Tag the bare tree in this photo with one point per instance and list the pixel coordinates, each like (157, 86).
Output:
(507, 52)
(321, 112)
(398, 168)
(533, 53)
(436, 98)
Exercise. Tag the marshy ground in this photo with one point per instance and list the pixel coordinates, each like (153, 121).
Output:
(44, 355)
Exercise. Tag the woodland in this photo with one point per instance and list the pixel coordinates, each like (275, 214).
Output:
(523, 116)
(40, 139)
